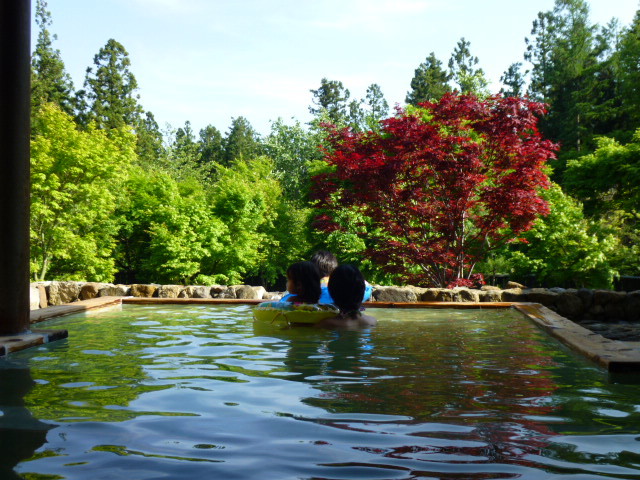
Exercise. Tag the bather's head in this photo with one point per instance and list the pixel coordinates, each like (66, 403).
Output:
(325, 261)
(303, 280)
(346, 286)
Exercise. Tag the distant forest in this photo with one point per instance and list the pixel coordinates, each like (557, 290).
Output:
(117, 199)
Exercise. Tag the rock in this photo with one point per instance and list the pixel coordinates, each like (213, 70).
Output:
(511, 285)
(195, 291)
(34, 298)
(614, 311)
(260, 292)
(491, 295)
(557, 290)
(596, 311)
(44, 301)
(438, 295)
(490, 288)
(462, 294)
(248, 292)
(513, 295)
(632, 306)
(169, 291)
(586, 296)
(542, 296)
(90, 290)
(569, 304)
(114, 291)
(272, 296)
(419, 291)
(63, 292)
(394, 294)
(142, 290)
(222, 291)
(604, 297)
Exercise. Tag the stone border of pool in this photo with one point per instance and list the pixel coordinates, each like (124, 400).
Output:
(614, 355)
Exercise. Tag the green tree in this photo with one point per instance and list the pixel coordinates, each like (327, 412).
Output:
(264, 233)
(601, 100)
(185, 151)
(49, 80)
(563, 59)
(366, 113)
(167, 229)
(333, 99)
(377, 107)
(463, 71)
(150, 148)
(430, 82)
(292, 149)
(538, 53)
(607, 179)
(629, 72)
(210, 149)
(75, 183)
(111, 88)
(514, 80)
(565, 248)
(241, 141)
(356, 115)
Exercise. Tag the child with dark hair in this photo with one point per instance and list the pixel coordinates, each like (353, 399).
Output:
(327, 263)
(303, 283)
(347, 287)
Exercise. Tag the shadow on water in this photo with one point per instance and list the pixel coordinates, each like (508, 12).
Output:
(20, 433)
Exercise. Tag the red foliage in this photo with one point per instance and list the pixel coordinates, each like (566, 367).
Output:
(442, 184)
(475, 280)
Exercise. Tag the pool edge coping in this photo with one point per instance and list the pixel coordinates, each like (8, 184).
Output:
(616, 356)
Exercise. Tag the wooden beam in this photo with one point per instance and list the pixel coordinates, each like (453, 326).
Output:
(15, 102)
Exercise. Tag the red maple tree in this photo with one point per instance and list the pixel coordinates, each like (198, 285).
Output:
(441, 184)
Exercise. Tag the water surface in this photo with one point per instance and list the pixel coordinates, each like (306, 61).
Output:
(186, 392)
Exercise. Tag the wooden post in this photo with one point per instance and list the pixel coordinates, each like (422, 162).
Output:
(15, 102)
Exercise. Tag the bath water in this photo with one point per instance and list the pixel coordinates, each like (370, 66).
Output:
(200, 391)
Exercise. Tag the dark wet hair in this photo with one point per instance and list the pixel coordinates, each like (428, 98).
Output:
(346, 286)
(306, 278)
(325, 261)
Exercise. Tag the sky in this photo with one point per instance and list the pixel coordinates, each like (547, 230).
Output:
(209, 61)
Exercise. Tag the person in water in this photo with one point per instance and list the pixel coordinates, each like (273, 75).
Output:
(327, 263)
(347, 287)
(303, 283)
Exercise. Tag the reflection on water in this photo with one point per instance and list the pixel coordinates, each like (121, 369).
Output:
(184, 392)
(20, 434)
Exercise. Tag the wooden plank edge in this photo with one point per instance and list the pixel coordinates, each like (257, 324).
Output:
(614, 355)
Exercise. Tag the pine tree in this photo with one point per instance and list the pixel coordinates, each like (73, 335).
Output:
(241, 141)
(331, 98)
(210, 148)
(601, 100)
(563, 61)
(111, 88)
(629, 70)
(377, 107)
(539, 55)
(184, 151)
(463, 71)
(430, 82)
(513, 79)
(49, 82)
(149, 145)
